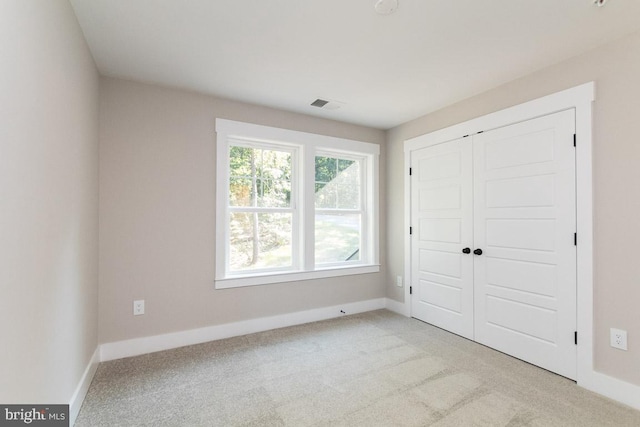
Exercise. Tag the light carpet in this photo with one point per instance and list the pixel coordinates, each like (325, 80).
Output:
(370, 369)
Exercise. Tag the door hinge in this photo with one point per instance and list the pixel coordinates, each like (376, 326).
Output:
(575, 239)
(410, 290)
(574, 139)
(575, 337)
(410, 171)
(410, 230)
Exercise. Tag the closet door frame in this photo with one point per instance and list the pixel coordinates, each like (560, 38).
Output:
(579, 98)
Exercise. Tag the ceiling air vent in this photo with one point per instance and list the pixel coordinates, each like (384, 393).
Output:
(319, 103)
(327, 104)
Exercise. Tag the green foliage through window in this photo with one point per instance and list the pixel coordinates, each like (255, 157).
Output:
(259, 178)
(337, 183)
(261, 211)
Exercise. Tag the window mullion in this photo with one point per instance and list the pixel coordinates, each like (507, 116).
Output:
(365, 231)
(296, 241)
(250, 209)
(308, 212)
(339, 211)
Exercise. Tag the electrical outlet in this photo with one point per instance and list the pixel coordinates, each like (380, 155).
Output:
(138, 307)
(399, 281)
(618, 338)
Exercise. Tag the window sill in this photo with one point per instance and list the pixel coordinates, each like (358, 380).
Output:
(265, 279)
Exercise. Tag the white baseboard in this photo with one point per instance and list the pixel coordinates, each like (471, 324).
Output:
(83, 386)
(613, 388)
(397, 307)
(138, 346)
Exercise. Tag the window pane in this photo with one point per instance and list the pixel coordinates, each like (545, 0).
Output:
(275, 178)
(326, 168)
(337, 183)
(240, 159)
(337, 238)
(240, 191)
(344, 164)
(260, 240)
(326, 197)
(347, 196)
(274, 193)
(259, 177)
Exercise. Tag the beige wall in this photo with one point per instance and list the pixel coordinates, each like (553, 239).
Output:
(157, 214)
(48, 202)
(615, 68)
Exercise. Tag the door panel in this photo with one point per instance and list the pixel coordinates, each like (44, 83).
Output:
(526, 233)
(524, 220)
(443, 198)
(441, 296)
(533, 277)
(438, 167)
(440, 230)
(509, 150)
(515, 317)
(507, 193)
(441, 263)
(442, 211)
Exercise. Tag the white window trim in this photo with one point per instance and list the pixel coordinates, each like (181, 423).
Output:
(307, 146)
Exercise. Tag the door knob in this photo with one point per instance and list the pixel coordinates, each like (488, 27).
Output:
(466, 251)
(478, 252)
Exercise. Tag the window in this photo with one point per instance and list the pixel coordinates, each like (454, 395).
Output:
(293, 205)
(338, 209)
(261, 211)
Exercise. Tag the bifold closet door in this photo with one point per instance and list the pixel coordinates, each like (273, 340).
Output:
(524, 223)
(441, 215)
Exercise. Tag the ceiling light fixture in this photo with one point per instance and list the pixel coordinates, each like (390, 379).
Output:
(386, 7)
(599, 3)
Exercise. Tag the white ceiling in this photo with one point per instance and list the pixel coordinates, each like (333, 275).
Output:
(386, 69)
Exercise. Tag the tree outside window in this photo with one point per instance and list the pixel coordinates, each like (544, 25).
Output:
(260, 207)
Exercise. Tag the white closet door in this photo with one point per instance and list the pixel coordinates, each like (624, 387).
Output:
(441, 212)
(524, 222)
